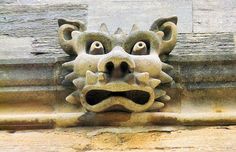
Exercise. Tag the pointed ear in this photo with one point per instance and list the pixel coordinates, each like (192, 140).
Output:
(65, 34)
(167, 29)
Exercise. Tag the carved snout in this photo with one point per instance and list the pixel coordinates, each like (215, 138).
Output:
(117, 63)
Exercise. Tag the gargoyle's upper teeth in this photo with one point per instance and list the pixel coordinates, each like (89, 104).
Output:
(102, 76)
(91, 78)
(143, 77)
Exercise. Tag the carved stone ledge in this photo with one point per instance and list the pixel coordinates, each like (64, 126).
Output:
(210, 95)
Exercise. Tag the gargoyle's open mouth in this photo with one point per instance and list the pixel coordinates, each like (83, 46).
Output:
(135, 98)
(94, 97)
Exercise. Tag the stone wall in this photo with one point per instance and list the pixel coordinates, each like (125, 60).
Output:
(31, 75)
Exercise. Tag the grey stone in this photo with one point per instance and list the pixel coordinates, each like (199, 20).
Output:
(125, 13)
(214, 16)
(36, 20)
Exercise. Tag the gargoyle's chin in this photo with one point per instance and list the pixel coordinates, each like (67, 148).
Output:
(117, 96)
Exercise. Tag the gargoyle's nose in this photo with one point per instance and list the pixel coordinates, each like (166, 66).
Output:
(117, 63)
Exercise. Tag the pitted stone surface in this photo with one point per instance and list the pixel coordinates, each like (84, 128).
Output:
(109, 139)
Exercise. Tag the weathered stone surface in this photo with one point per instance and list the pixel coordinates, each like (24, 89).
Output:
(37, 20)
(214, 16)
(8, 2)
(51, 2)
(124, 13)
(135, 139)
(198, 16)
(119, 12)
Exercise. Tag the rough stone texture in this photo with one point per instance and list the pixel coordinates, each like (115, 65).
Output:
(37, 20)
(135, 139)
(124, 13)
(214, 16)
(197, 16)
(8, 2)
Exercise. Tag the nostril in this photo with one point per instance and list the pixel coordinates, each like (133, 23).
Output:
(124, 67)
(109, 67)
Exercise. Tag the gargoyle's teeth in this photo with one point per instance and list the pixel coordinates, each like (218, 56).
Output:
(166, 67)
(130, 79)
(102, 77)
(164, 98)
(165, 78)
(71, 76)
(159, 93)
(143, 77)
(73, 97)
(91, 78)
(156, 106)
(79, 82)
(68, 65)
(154, 82)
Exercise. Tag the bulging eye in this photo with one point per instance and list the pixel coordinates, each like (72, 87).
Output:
(96, 48)
(140, 48)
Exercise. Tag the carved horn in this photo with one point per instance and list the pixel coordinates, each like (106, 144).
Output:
(169, 28)
(103, 28)
(65, 34)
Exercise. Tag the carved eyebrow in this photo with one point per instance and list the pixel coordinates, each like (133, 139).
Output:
(141, 35)
(96, 35)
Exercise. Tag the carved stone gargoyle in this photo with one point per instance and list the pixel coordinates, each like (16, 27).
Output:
(118, 71)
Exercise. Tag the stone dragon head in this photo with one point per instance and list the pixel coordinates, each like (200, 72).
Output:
(118, 71)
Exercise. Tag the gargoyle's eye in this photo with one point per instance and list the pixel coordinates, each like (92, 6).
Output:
(140, 48)
(96, 48)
